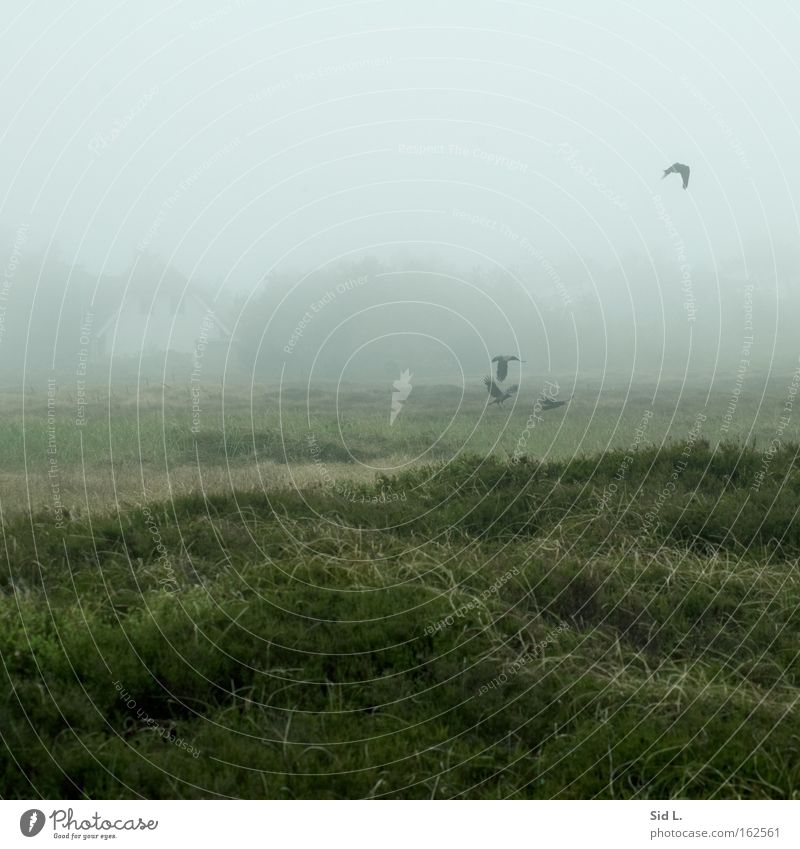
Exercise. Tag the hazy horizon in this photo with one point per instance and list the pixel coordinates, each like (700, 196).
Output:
(253, 155)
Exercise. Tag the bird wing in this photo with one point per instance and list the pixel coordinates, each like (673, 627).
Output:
(678, 168)
(494, 389)
(502, 368)
(512, 390)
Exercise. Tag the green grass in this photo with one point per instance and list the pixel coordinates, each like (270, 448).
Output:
(610, 643)
(437, 422)
(138, 446)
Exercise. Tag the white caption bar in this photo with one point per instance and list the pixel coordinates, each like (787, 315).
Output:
(400, 825)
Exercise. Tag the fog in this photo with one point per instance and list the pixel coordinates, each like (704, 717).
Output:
(338, 191)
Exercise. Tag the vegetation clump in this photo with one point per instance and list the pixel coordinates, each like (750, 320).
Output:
(507, 629)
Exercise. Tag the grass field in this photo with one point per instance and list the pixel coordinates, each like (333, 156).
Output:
(600, 604)
(139, 445)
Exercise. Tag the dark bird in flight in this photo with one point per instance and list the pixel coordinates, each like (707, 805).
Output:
(502, 361)
(499, 396)
(677, 168)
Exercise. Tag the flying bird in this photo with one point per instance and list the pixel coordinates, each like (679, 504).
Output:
(677, 168)
(502, 361)
(500, 396)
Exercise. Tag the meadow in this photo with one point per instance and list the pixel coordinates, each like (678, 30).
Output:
(136, 443)
(300, 600)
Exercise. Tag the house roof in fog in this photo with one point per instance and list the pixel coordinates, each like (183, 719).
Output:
(190, 295)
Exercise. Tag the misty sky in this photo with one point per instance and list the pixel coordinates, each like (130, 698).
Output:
(232, 140)
(308, 130)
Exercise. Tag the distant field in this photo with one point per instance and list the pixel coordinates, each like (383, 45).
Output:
(138, 446)
(620, 625)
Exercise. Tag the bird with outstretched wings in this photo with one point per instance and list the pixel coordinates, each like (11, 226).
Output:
(499, 396)
(677, 168)
(502, 361)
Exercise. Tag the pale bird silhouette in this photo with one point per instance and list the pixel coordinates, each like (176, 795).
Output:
(401, 389)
